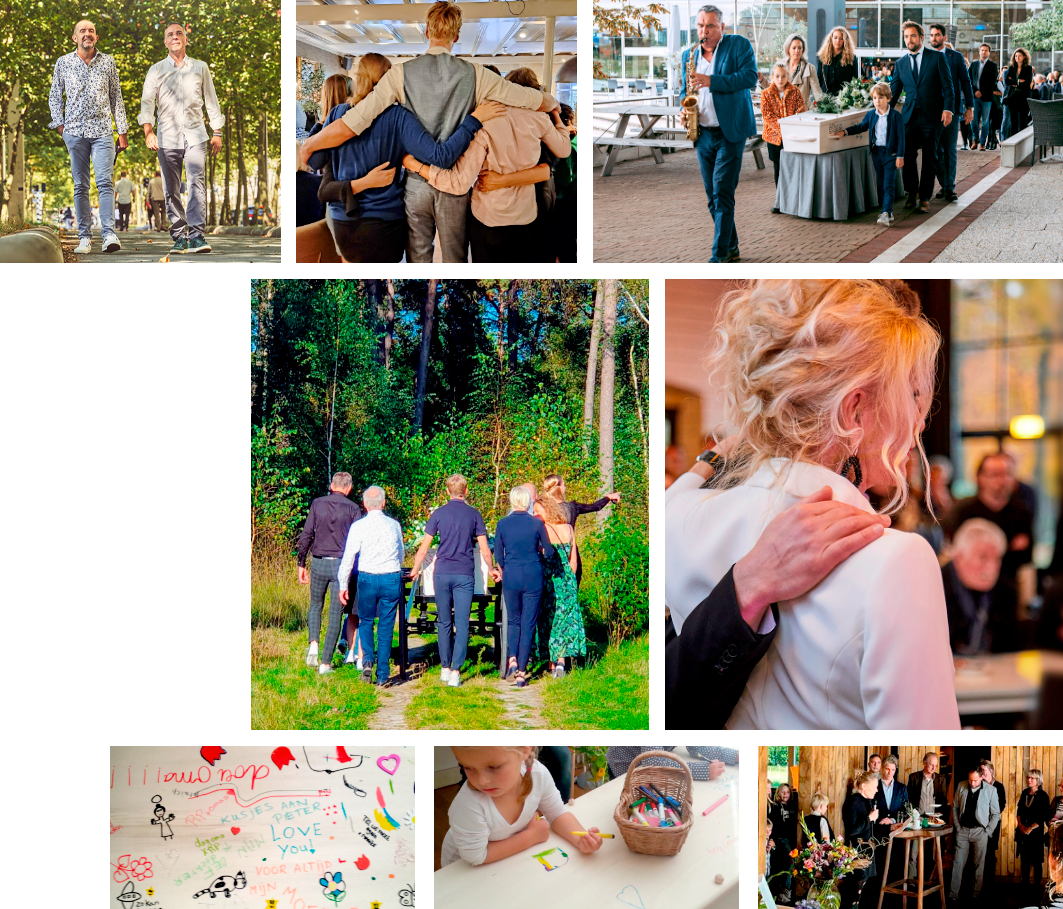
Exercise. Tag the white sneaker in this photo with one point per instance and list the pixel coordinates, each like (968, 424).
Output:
(111, 244)
(444, 674)
(884, 219)
(324, 669)
(455, 679)
(84, 247)
(311, 655)
(350, 658)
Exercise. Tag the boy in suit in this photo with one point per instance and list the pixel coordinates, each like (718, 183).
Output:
(887, 146)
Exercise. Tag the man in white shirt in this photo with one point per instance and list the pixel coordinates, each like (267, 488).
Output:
(125, 194)
(182, 86)
(377, 542)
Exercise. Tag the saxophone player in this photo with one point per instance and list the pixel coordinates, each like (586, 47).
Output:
(721, 69)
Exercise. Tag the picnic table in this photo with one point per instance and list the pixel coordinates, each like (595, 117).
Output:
(653, 137)
(614, 875)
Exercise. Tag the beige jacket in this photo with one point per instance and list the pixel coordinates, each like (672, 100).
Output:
(505, 145)
(806, 81)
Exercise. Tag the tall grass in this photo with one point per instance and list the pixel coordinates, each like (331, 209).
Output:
(614, 693)
(278, 600)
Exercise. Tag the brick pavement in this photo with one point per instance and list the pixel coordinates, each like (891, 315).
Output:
(646, 212)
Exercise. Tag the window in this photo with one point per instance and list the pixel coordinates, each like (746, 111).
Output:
(862, 23)
(780, 759)
(978, 23)
(607, 53)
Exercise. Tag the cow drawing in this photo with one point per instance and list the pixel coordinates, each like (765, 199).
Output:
(226, 884)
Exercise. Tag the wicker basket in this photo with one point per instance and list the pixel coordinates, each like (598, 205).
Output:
(675, 782)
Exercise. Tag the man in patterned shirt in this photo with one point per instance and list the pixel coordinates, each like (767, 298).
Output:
(89, 79)
(182, 87)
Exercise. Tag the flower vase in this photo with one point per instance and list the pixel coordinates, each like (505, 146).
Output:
(826, 894)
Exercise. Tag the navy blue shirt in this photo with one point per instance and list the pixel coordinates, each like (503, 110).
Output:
(458, 525)
(517, 540)
(390, 137)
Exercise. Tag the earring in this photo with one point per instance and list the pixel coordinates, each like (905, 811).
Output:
(858, 475)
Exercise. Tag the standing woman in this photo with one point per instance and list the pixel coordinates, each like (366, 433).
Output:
(859, 812)
(1057, 808)
(1032, 814)
(783, 814)
(554, 486)
(836, 61)
(560, 619)
(519, 540)
(801, 72)
(1019, 78)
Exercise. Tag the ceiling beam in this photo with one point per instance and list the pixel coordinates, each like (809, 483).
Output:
(341, 14)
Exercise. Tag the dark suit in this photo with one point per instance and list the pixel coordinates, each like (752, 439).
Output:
(926, 95)
(986, 85)
(707, 666)
(1021, 82)
(884, 157)
(963, 98)
(720, 148)
(915, 786)
(896, 807)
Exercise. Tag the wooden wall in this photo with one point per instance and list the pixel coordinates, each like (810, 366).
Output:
(1011, 771)
(762, 788)
(828, 770)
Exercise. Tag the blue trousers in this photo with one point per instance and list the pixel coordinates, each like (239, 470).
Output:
(982, 123)
(522, 586)
(947, 169)
(456, 589)
(100, 152)
(721, 164)
(885, 166)
(379, 596)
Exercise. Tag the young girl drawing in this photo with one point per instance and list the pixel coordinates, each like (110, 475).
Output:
(496, 813)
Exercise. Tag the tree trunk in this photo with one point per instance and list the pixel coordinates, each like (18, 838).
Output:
(592, 368)
(389, 324)
(372, 289)
(427, 323)
(512, 325)
(638, 405)
(260, 375)
(212, 165)
(243, 195)
(605, 404)
(227, 214)
(262, 193)
(16, 157)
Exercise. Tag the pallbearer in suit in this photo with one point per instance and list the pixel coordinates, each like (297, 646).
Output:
(963, 100)
(983, 73)
(929, 97)
(722, 72)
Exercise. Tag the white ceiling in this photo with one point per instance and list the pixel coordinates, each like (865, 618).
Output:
(522, 36)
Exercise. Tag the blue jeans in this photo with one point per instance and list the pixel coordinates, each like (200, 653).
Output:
(522, 587)
(378, 598)
(101, 153)
(885, 166)
(457, 588)
(982, 123)
(721, 163)
(947, 158)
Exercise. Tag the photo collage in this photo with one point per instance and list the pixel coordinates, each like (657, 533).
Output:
(380, 538)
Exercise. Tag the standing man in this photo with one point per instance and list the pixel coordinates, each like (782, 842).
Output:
(924, 77)
(454, 573)
(961, 82)
(182, 86)
(977, 819)
(926, 791)
(157, 195)
(89, 79)
(126, 194)
(439, 89)
(989, 775)
(892, 800)
(323, 538)
(723, 73)
(376, 542)
(983, 74)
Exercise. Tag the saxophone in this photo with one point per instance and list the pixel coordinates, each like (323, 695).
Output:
(690, 99)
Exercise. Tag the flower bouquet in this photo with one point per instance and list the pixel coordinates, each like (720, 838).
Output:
(822, 864)
(855, 95)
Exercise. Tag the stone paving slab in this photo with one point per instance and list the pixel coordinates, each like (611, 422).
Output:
(151, 246)
(646, 212)
(1023, 225)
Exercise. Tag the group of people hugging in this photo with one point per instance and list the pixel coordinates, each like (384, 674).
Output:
(439, 147)
(878, 804)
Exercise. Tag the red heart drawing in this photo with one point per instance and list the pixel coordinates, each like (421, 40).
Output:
(235, 830)
(393, 759)
(362, 863)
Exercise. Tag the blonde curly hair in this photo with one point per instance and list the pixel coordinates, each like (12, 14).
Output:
(826, 49)
(788, 353)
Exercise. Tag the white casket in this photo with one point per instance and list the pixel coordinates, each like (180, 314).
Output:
(428, 572)
(812, 133)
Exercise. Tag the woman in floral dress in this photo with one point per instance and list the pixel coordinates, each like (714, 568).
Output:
(560, 620)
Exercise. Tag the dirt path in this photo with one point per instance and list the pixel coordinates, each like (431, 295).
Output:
(394, 700)
(523, 706)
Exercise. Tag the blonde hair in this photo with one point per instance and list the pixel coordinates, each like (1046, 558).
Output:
(457, 485)
(1037, 775)
(371, 69)
(881, 88)
(804, 46)
(520, 498)
(443, 21)
(550, 500)
(783, 786)
(788, 354)
(785, 69)
(529, 754)
(826, 50)
(819, 800)
(334, 91)
(865, 776)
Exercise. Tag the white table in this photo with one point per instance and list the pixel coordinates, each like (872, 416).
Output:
(1003, 682)
(614, 876)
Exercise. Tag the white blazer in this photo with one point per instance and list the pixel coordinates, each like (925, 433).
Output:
(868, 648)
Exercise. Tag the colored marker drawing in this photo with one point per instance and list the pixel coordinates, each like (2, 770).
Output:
(226, 885)
(162, 819)
(552, 859)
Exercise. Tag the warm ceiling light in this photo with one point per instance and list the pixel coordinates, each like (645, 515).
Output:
(1027, 426)
(523, 35)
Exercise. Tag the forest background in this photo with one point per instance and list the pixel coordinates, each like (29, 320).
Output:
(402, 383)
